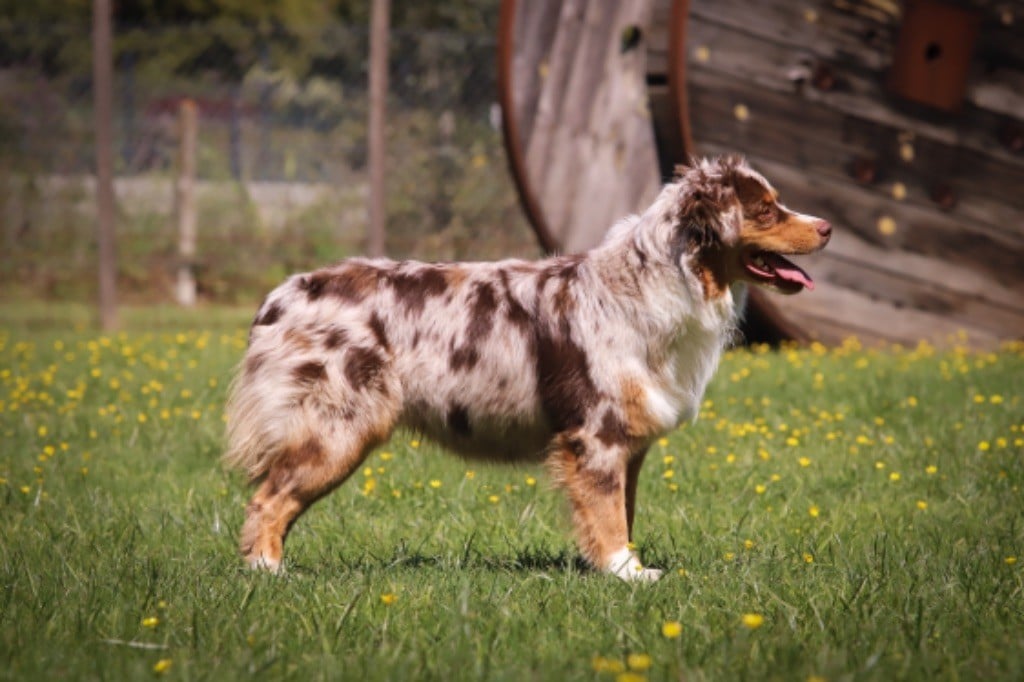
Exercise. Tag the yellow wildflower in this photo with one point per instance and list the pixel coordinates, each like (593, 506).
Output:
(671, 629)
(638, 661)
(753, 620)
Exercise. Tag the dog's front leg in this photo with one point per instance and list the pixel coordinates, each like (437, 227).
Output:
(597, 480)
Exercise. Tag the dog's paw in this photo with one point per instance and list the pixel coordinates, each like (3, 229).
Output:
(265, 564)
(625, 565)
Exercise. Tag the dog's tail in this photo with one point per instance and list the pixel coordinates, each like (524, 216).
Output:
(248, 446)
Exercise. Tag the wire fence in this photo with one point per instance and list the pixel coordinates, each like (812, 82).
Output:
(281, 157)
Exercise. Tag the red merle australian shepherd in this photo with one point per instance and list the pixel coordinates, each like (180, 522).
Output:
(580, 361)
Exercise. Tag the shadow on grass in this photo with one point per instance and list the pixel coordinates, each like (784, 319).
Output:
(524, 561)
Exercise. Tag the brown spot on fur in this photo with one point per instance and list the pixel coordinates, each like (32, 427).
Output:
(335, 338)
(297, 339)
(377, 327)
(514, 310)
(271, 315)
(612, 431)
(750, 190)
(566, 389)
(309, 373)
(353, 283)
(481, 320)
(463, 358)
(308, 453)
(601, 481)
(639, 422)
(254, 361)
(458, 419)
(363, 367)
(412, 289)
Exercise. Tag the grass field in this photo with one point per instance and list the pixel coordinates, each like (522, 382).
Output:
(834, 514)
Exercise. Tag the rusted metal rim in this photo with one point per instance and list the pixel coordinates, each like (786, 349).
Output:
(510, 127)
(677, 74)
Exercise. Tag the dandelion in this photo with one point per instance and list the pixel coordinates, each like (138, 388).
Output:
(530, 480)
(729, 556)
(150, 622)
(639, 662)
(804, 461)
(894, 476)
(1010, 560)
(470, 474)
(748, 544)
(671, 629)
(753, 620)
(414, 444)
(984, 446)
(668, 474)
(931, 469)
(922, 505)
(663, 442)
(760, 488)
(814, 511)
(493, 499)
(162, 666)
(600, 664)
(808, 558)
(435, 483)
(388, 598)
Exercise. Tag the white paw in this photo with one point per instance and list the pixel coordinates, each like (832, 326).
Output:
(262, 563)
(626, 565)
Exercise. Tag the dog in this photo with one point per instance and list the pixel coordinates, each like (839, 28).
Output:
(580, 361)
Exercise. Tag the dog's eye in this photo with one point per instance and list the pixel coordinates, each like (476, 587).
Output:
(766, 214)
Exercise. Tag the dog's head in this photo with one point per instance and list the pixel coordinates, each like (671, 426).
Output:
(731, 224)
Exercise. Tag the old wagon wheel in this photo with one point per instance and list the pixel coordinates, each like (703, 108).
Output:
(594, 106)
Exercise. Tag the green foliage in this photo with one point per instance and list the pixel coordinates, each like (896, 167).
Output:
(865, 505)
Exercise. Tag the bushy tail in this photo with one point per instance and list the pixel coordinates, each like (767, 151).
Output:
(253, 426)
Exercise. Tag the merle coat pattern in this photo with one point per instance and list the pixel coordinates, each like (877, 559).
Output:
(580, 361)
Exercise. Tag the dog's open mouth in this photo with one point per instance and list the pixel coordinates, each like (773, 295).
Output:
(772, 269)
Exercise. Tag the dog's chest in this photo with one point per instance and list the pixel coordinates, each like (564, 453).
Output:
(690, 364)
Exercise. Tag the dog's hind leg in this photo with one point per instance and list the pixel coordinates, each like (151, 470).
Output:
(596, 480)
(303, 473)
(636, 461)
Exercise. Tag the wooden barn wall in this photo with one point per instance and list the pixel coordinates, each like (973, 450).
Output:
(798, 87)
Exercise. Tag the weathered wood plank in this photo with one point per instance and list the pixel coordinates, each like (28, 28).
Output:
(829, 309)
(818, 139)
(589, 152)
(771, 65)
(530, 60)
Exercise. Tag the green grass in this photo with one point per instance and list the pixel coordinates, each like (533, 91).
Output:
(797, 496)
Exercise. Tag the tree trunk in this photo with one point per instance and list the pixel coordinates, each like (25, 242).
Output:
(103, 107)
(185, 203)
(379, 29)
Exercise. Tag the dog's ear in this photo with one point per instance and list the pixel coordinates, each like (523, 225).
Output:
(710, 213)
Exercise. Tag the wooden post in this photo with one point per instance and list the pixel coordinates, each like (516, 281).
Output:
(379, 28)
(185, 203)
(103, 116)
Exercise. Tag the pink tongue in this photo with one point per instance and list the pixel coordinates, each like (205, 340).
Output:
(787, 270)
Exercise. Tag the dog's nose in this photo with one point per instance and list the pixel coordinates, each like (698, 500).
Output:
(823, 227)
